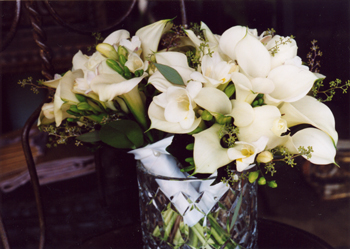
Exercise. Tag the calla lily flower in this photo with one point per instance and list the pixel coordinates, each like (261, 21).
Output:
(53, 83)
(115, 37)
(64, 97)
(150, 36)
(287, 49)
(309, 110)
(286, 83)
(172, 111)
(321, 143)
(210, 39)
(109, 86)
(209, 155)
(215, 71)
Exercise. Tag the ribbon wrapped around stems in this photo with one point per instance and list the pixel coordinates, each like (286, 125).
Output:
(191, 200)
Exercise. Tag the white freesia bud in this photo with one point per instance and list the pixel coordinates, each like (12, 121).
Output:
(279, 126)
(48, 110)
(264, 157)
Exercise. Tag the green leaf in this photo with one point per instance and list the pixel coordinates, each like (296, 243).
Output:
(122, 134)
(170, 74)
(90, 137)
(235, 214)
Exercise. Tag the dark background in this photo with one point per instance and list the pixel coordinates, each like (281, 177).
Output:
(73, 207)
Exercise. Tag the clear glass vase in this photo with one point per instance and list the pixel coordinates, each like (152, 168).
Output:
(189, 213)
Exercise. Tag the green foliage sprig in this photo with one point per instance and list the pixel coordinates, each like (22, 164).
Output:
(330, 92)
(98, 39)
(282, 41)
(35, 88)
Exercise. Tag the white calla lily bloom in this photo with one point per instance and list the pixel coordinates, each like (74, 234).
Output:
(321, 143)
(287, 49)
(287, 83)
(64, 97)
(309, 110)
(211, 40)
(150, 36)
(209, 155)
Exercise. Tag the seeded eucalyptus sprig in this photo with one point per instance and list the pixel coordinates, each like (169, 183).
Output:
(282, 41)
(330, 92)
(35, 87)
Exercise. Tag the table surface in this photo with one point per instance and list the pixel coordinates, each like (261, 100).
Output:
(271, 235)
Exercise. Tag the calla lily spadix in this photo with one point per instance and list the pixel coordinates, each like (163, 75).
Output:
(209, 155)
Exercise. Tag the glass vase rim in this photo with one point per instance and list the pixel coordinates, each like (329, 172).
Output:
(143, 170)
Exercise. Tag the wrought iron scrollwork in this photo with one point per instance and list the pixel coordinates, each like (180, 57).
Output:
(8, 38)
(57, 17)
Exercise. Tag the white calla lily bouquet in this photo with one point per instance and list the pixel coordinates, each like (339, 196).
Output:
(241, 98)
(214, 102)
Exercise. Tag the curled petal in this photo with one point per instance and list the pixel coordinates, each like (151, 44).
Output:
(213, 100)
(243, 87)
(230, 38)
(150, 36)
(242, 112)
(115, 37)
(286, 50)
(208, 154)
(262, 85)
(79, 61)
(252, 57)
(309, 110)
(108, 86)
(172, 59)
(321, 143)
(291, 82)
(210, 37)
